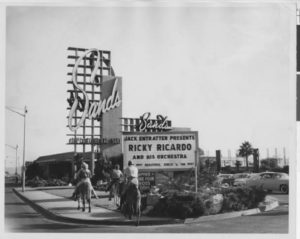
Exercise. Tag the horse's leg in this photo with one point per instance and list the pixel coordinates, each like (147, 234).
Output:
(122, 202)
(112, 192)
(78, 200)
(83, 203)
(138, 211)
(89, 203)
(130, 211)
(124, 209)
(118, 195)
(89, 194)
(117, 200)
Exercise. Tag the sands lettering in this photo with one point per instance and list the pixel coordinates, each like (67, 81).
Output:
(91, 110)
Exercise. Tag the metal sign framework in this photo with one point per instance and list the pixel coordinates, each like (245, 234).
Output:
(89, 129)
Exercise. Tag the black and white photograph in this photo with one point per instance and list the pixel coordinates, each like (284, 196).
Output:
(150, 117)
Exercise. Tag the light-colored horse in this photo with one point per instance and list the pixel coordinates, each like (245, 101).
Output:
(84, 191)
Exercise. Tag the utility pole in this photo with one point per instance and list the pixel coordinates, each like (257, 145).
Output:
(196, 171)
(284, 157)
(24, 141)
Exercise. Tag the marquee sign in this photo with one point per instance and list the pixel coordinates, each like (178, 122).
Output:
(158, 151)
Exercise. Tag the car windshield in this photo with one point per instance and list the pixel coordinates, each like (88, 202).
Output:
(224, 176)
(281, 176)
(266, 175)
(238, 175)
(253, 176)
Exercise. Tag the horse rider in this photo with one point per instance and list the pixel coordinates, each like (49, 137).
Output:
(83, 175)
(131, 177)
(116, 177)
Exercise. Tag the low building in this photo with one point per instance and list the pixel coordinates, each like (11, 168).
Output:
(59, 165)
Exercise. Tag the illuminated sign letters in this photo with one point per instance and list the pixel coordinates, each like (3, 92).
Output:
(91, 110)
(94, 141)
(146, 123)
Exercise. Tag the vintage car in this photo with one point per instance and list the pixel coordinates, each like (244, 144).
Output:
(270, 181)
(240, 179)
(225, 179)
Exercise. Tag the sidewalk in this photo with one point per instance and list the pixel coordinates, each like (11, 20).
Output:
(62, 209)
(50, 202)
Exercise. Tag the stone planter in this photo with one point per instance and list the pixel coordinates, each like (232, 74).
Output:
(213, 205)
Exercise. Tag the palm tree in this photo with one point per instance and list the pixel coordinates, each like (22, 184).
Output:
(245, 150)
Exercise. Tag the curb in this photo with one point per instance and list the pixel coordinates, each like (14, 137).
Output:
(270, 205)
(45, 188)
(53, 216)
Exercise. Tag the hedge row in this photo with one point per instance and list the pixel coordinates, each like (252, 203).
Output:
(184, 205)
(38, 182)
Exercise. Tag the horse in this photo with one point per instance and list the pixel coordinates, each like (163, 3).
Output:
(84, 193)
(116, 193)
(132, 204)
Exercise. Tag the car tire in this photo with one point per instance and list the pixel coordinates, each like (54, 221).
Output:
(284, 188)
(225, 185)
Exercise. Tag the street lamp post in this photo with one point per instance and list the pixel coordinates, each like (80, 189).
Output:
(23, 167)
(23, 172)
(16, 160)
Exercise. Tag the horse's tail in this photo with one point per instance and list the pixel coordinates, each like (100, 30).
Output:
(86, 190)
(89, 191)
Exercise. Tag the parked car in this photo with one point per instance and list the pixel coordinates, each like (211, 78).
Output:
(12, 178)
(271, 181)
(225, 179)
(240, 179)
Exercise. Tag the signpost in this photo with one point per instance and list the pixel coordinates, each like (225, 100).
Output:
(146, 180)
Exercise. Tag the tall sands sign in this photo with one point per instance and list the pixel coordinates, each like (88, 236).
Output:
(95, 103)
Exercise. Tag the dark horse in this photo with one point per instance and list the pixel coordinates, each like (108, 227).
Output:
(84, 193)
(132, 203)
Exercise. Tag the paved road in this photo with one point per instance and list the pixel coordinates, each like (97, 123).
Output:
(20, 217)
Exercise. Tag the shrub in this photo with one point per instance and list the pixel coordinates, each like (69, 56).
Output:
(241, 198)
(39, 182)
(56, 182)
(198, 208)
(36, 182)
(182, 205)
(178, 205)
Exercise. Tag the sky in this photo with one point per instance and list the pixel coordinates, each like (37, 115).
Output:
(226, 72)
